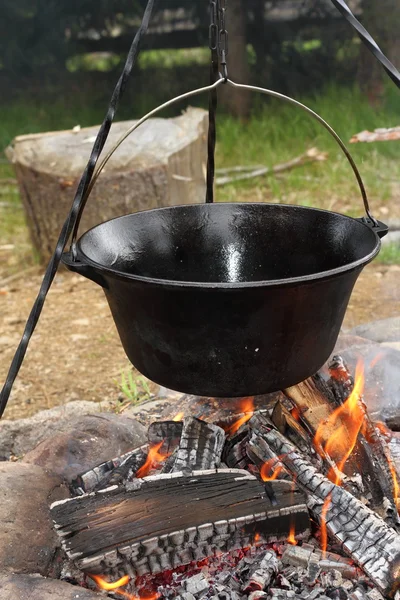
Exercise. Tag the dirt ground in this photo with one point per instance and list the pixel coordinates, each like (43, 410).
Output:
(75, 353)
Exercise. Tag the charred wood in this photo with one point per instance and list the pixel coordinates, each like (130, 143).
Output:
(260, 577)
(164, 521)
(126, 471)
(372, 452)
(99, 476)
(373, 545)
(235, 451)
(200, 446)
(167, 432)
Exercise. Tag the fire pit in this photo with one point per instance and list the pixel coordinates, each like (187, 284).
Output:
(299, 498)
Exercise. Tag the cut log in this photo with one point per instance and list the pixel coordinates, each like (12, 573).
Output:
(378, 135)
(164, 521)
(161, 164)
(372, 544)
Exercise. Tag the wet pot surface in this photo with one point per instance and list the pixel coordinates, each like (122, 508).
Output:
(228, 299)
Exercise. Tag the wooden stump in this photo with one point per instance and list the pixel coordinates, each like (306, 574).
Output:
(160, 164)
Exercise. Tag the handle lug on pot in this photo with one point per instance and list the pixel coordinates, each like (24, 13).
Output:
(87, 271)
(378, 227)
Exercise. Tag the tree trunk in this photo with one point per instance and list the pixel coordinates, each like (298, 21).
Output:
(159, 165)
(382, 20)
(237, 101)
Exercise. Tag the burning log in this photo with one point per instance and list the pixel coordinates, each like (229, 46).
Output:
(307, 556)
(165, 521)
(200, 447)
(260, 577)
(373, 545)
(334, 414)
(118, 468)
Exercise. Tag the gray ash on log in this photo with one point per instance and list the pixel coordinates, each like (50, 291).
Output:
(171, 516)
(164, 521)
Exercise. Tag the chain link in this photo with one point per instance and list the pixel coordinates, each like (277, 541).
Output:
(218, 34)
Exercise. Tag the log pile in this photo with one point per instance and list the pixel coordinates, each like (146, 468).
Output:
(196, 491)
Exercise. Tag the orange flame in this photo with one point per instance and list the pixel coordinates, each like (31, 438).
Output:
(179, 416)
(153, 457)
(247, 407)
(292, 534)
(340, 431)
(105, 585)
(257, 538)
(267, 467)
(324, 529)
(396, 486)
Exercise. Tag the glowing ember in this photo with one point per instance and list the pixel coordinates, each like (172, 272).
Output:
(268, 472)
(296, 414)
(179, 417)
(396, 487)
(338, 435)
(105, 585)
(324, 530)
(292, 534)
(141, 597)
(114, 587)
(153, 458)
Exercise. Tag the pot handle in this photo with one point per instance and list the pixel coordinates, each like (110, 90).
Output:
(379, 228)
(85, 270)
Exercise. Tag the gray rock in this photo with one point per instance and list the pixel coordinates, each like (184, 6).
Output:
(95, 439)
(393, 237)
(27, 541)
(382, 374)
(35, 587)
(385, 330)
(393, 345)
(21, 436)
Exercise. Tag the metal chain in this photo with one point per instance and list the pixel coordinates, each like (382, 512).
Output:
(218, 34)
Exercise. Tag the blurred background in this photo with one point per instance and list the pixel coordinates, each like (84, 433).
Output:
(60, 60)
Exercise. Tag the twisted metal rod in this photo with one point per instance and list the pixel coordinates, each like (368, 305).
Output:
(368, 40)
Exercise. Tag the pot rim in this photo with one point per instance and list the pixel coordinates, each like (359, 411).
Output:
(115, 273)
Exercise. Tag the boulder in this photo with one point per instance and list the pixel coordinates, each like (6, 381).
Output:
(28, 543)
(22, 435)
(35, 587)
(384, 330)
(93, 440)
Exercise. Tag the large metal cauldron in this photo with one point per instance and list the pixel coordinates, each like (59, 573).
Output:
(227, 299)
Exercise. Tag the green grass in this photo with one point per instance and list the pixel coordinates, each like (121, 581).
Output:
(389, 254)
(275, 133)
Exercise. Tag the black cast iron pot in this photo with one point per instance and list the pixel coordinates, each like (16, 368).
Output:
(227, 300)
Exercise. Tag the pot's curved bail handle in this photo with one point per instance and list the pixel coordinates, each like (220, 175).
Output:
(379, 228)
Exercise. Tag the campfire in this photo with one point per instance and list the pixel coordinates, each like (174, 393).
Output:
(297, 498)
